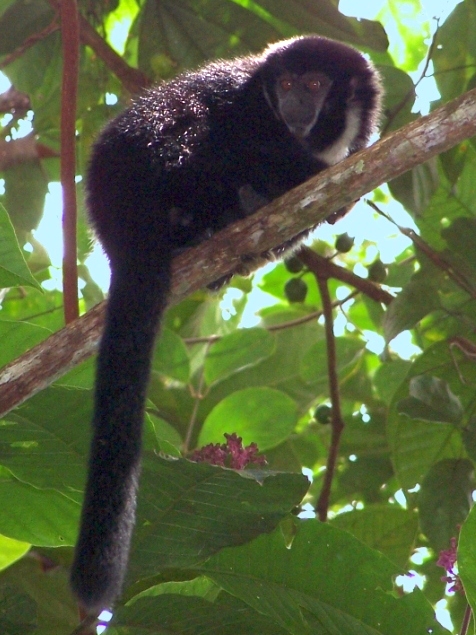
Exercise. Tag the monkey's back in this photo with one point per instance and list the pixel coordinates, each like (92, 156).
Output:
(166, 156)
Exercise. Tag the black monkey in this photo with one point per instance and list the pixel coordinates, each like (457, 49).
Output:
(185, 160)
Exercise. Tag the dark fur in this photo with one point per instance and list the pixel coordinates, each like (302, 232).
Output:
(164, 175)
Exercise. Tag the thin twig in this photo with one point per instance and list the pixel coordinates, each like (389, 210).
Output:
(436, 258)
(69, 89)
(466, 620)
(310, 317)
(337, 423)
(31, 41)
(198, 395)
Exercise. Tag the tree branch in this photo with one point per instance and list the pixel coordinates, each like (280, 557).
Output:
(69, 90)
(131, 78)
(329, 269)
(322, 279)
(303, 207)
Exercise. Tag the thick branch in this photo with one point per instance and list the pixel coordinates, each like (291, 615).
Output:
(297, 210)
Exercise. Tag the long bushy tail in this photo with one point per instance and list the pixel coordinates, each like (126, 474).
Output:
(137, 299)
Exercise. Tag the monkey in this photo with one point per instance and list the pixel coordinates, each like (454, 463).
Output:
(184, 160)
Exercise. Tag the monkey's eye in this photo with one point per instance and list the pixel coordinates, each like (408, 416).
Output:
(313, 85)
(286, 84)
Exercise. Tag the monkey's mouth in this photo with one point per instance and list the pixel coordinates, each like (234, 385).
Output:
(300, 123)
(301, 129)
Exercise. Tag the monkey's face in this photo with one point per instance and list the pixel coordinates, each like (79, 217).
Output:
(300, 99)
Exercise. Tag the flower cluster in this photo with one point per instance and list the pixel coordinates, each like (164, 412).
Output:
(230, 454)
(447, 560)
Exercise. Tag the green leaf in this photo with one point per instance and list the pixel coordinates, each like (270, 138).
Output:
(54, 611)
(398, 85)
(13, 268)
(164, 438)
(325, 582)
(18, 337)
(348, 352)
(417, 445)
(461, 238)
(188, 511)
(37, 446)
(468, 435)
(11, 550)
(389, 376)
(444, 500)
(44, 518)
(26, 185)
(414, 188)
(19, 614)
(177, 614)
(171, 357)
(467, 557)
(455, 51)
(431, 399)
(264, 416)
(187, 34)
(390, 530)
(20, 21)
(417, 299)
(241, 349)
(198, 587)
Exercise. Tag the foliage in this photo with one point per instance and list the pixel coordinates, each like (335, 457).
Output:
(217, 550)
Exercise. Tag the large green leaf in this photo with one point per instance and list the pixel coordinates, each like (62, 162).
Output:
(21, 20)
(42, 517)
(188, 511)
(416, 444)
(418, 298)
(264, 416)
(456, 47)
(171, 357)
(444, 500)
(42, 602)
(325, 582)
(177, 614)
(348, 354)
(44, 441)
(241, 349)
(389, 529)
(431, 399)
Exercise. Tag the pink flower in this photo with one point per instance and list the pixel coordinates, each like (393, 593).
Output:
(230, 454)
(447, 560)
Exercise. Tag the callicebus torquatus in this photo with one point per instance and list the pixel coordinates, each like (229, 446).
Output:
(183, 161)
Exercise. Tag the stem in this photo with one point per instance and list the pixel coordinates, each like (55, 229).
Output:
(69, 89)
(466, 620)
(322, 507)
